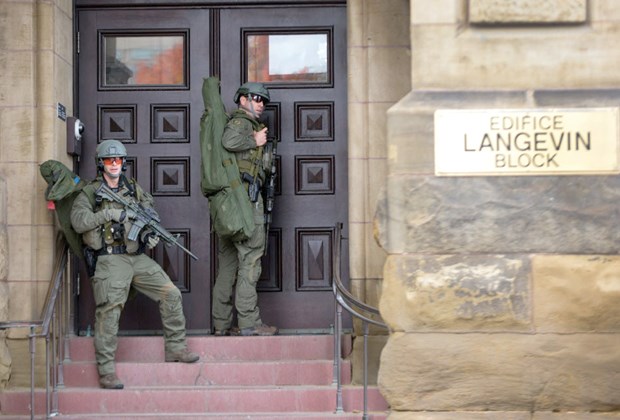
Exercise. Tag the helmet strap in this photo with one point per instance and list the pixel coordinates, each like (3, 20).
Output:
(252, 106)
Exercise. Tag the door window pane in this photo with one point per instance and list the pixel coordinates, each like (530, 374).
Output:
(154, 60)
(288, 58)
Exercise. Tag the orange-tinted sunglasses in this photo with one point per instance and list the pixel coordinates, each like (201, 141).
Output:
(111, 160)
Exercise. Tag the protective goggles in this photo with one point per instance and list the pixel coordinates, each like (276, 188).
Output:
(111, 160)
(258, 99)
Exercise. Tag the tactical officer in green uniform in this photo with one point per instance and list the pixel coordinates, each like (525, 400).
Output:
(239, 264)
(121, 264)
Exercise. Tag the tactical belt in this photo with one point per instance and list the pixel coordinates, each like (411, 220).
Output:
(112, 250)
(109, 250)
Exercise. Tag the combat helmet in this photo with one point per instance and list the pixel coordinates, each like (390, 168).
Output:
(252, 88)
(111, 148)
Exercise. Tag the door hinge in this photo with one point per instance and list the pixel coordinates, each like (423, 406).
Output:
(77, 42)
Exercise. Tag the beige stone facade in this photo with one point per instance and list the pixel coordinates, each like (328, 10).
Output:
(500, 305)
(36, 68)
(501, 292)
(379, 58)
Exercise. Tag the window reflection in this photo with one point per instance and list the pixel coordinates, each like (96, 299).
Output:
(290, 58)
(144, 60)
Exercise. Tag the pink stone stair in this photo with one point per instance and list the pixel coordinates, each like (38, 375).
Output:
(245, 373)
(151, 349)
(283, 377)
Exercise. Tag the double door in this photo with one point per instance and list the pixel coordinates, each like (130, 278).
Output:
(140, 76)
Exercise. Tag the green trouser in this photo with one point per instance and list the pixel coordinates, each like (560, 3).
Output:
(113, 277)
(239, 267)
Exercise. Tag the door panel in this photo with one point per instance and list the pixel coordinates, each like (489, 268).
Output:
(132, 88)
(307, 116)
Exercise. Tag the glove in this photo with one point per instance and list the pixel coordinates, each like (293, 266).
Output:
(150, 239)
(131, 214)
(117, 215)
(153, 240)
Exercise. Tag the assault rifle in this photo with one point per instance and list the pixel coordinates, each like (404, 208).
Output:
(254, 184)
(143, 217)
(270, 191)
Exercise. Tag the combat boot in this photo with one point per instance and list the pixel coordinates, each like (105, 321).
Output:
(110, 381)
(227, 331)
(261, 329)
(183, 356)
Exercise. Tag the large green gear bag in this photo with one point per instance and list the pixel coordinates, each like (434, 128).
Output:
(63, 186)
(229, 206)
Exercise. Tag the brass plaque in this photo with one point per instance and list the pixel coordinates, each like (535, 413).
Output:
(527, 141)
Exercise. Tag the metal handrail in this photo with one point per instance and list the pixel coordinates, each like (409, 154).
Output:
(52, 329)
(344, 299)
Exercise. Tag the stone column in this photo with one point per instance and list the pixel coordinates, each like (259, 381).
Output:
(378, 62)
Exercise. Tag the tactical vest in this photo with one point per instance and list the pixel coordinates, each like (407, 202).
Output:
(111, 234)
(253, 164)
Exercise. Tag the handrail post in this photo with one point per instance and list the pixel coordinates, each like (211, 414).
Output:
(32, 345)
(61, 335)
(68, 318)
(335, 349)
(345, 300)
(365, 417)
(53, 365)
(338, 355)
(47, 376)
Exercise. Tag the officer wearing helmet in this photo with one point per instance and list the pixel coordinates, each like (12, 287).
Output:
(121, 263)
(239, 264)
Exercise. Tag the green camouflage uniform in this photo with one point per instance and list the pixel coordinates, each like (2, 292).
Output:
(239, 263)
(116, 273)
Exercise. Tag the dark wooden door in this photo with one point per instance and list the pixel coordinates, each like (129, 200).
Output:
(140, 76)
(300, 54)
(139, 81)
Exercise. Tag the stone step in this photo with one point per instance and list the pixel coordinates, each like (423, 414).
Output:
(381, 415)
(226, 373)
(210, 348)
(195, 400)
(282, 377)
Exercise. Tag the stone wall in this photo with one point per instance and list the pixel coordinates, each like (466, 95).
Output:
(501, 293)
(36, 68)
(378, 56)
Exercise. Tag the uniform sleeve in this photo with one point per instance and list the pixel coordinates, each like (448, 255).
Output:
(83, 218)
(146, 199)
(238, 135)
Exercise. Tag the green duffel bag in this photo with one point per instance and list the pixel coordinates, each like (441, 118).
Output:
(230, 209)
(214, 174)
(231, 213)
(63, 186)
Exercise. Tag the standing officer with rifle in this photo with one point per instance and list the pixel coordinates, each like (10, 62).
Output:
(239, 264)
(117, 262)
